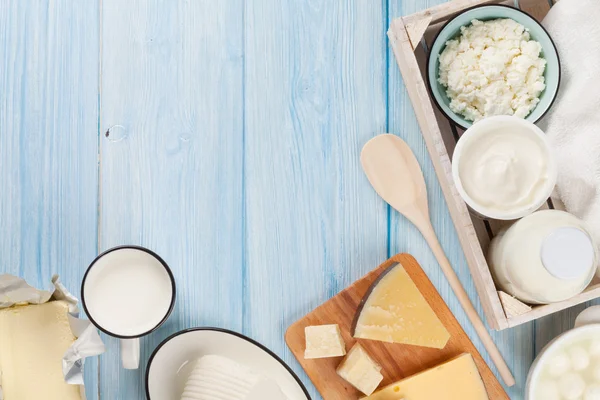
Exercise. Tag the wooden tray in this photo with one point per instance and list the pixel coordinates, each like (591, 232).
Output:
(398, 360)
(410, 37)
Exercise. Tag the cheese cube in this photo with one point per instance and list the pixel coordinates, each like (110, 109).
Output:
(324, 341)
(359, 370)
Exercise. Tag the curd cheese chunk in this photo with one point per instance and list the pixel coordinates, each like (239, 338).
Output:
(592, 392)
(559, 364)
(548, 390)
(324, 341)
(493, 68)
(571, 386)
(359, 369)
(595, 348)
(596, 373)
(580, 358)
(33, 341)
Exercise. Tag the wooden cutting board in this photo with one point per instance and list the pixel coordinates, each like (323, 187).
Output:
(398, 360)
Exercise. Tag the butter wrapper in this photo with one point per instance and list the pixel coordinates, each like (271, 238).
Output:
(15, 291)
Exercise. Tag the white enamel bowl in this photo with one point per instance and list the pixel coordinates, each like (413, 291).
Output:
(588, 322)
(172, 361)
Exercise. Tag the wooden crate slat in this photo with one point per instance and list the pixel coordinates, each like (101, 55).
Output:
(537, 8)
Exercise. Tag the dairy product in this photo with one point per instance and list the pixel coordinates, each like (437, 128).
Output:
(396, 312)
(359, 369)
(219, 378)
(33, 341)
(323, 341)
(568, 369)
(457, 379)
(545, 257)
(128, 292)
(504, 165)
(493, 68)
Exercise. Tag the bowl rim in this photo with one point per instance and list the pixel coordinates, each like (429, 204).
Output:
(224, 331)
(475, 129)
(437, 36)
(534, 370)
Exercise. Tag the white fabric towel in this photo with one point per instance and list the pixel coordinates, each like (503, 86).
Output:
(573, 123)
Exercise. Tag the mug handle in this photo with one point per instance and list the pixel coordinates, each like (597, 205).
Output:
(130, 353)
(590, 315)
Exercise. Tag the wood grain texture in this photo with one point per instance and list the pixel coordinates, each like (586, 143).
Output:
(234, 130)
(314, 94)
(536, 8)
(172, 159)
(397, 360)
(48, 143)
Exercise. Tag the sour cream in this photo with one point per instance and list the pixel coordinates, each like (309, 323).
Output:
(503, 167)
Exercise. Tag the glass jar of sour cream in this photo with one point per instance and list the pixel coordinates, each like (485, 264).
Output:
(546, 257)
(503, 167)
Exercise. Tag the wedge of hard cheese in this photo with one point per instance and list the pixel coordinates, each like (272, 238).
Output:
(395, 311)
(33, 341)
(457, 379)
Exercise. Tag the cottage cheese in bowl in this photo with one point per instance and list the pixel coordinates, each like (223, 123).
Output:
(493, 59)
(492, 68)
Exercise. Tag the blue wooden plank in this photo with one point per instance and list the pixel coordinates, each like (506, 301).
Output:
(48, 142)
(517, 344)
(315, 93)
(171, 158)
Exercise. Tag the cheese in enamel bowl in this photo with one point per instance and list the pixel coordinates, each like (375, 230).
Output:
(219, 378)
(568, 368)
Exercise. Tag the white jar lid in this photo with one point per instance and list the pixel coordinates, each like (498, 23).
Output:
(568, 253)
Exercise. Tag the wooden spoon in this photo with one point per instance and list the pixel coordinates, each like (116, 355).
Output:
(394, 172)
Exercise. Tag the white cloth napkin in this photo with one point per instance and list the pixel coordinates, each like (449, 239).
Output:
(573, 123)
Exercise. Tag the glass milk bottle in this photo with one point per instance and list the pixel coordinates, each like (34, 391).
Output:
(546, 257)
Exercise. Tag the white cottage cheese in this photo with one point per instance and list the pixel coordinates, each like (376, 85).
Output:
(493, 68)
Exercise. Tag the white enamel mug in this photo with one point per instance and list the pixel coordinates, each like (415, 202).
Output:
(587, 323)
(128, 292)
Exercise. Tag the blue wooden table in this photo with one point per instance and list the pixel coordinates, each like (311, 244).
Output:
(225, 135)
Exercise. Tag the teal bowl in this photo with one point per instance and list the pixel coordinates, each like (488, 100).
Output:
(451, 30)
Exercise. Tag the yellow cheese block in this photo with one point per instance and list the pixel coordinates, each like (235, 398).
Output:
(396, 312)
(457, 379)
(33, 341)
